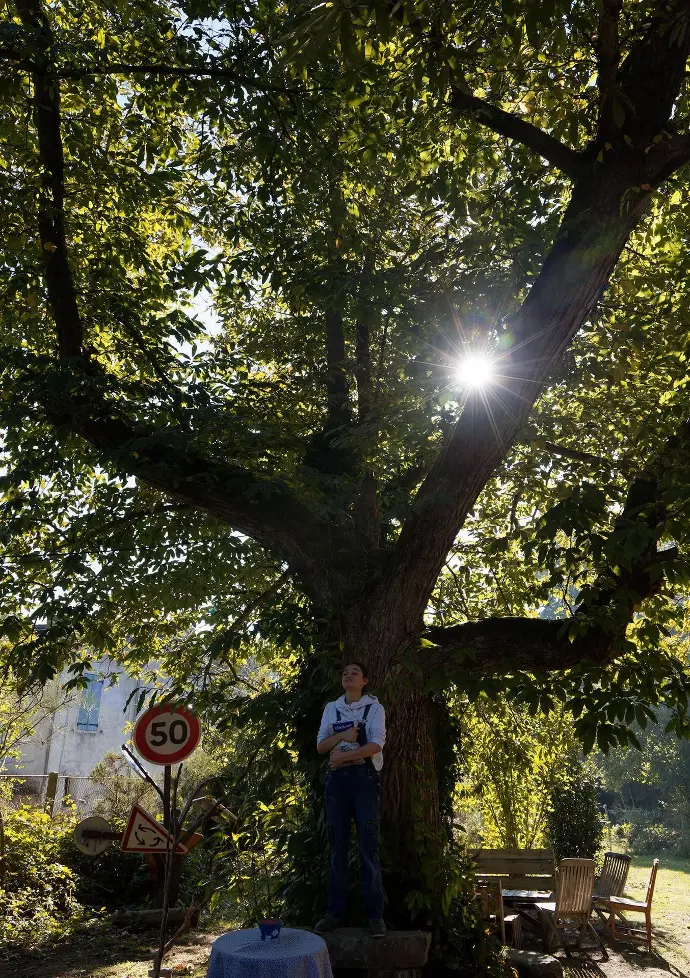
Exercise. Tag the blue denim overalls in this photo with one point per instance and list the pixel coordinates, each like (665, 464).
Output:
(353, 791)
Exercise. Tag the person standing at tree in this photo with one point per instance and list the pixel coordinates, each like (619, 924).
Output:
(353, 734)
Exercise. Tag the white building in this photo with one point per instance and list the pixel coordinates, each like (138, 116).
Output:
(87, 725)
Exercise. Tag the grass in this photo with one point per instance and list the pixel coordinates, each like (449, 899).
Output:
(670, 906)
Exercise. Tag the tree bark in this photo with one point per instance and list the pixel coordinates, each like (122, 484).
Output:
(412, 828)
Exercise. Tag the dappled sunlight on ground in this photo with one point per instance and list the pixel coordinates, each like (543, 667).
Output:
(110, 953)
(621, 963)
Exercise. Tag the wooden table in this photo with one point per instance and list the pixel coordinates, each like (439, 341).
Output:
(522, 901)
(527, 896)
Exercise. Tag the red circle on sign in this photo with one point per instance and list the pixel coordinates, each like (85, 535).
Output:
(153, 734)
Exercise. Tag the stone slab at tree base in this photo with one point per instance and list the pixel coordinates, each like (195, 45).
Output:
(151, 918)
(397, 973)
(532, 964)
(400, 954)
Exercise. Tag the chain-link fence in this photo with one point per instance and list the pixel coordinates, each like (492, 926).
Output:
(54, 792)
(84, 794)
(25, 789)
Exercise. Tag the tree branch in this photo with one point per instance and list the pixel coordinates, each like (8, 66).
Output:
(178, 71)
(329, 451)
(653, 72)
(608, 58)
(363, 376)
(135, 333)
(366, 511)
(513, 127)
(267, 511)
(38, 66)
(670, 154)
(221, 643)
(594, 231)
(51, 217)
(336, 378)
(526, 644)
(85, 540)
(574, 454)
(608, 201)
(606, 607)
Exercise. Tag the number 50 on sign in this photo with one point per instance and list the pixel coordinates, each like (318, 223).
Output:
(166, 734)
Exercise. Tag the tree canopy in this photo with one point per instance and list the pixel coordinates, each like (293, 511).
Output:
(247, 248)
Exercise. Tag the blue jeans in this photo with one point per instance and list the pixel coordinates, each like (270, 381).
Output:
(354, 791)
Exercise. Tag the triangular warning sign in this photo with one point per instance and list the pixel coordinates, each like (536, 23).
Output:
(145, 834)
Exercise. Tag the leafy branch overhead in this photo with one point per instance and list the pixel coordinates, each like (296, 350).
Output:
(245, 255)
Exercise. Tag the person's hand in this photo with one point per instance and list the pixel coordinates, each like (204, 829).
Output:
(339, 758)
(350, 735)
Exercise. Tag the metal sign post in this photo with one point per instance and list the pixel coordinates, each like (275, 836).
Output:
(164, 735)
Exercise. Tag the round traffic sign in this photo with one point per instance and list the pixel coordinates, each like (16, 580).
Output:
(166, 734)
(92, 847)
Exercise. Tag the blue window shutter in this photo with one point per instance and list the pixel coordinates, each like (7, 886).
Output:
(87, 718)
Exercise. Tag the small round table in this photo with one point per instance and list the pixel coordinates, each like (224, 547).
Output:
(294, 954)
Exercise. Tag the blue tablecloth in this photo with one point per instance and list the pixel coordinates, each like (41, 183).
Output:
(294, 954)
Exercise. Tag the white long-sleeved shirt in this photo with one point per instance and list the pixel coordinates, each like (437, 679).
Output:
(375, 723)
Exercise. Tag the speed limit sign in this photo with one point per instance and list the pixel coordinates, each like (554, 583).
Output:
(166, 734)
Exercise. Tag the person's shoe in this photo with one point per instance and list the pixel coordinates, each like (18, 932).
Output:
(377, 928)
(327, 925)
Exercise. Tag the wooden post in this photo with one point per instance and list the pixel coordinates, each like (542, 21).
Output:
(51, 791)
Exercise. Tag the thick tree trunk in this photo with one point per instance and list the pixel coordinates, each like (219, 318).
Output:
(413, 832)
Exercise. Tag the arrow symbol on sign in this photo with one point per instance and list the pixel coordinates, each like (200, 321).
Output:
(155, 841)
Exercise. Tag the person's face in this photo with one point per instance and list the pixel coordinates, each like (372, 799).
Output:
(353, 679)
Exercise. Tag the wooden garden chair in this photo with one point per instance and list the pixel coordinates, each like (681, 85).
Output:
(611, 883)
(618, 904)
(490, 893)
(573, 903)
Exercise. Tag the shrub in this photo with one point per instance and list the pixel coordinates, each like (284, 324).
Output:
(652, 839)
(509, 761)
(112, 880)
(574, 823)
(37, 894)
(121, 788)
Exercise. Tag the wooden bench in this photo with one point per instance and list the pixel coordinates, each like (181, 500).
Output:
(517, 869)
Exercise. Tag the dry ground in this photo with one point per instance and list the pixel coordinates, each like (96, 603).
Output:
(108, 952)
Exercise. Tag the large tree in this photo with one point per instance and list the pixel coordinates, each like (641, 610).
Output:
(246, 249)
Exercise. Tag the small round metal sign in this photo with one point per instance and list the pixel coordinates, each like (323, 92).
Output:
(166, 734)
(92, 846)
